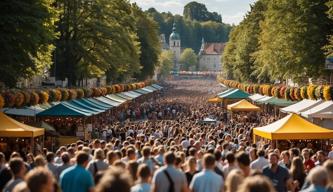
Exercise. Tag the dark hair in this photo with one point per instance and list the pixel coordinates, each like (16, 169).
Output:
(81, 158)
(16, 165)
(243, 158)
(230, 157)
(65, 157)
(217, 155)
(169, 158)
(144, 171)
(49, 157)
(261, 153)
(295, 152)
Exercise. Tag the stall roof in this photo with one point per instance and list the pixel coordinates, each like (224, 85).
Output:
(26, 111)
(86, 107)
(116, 98)
(148, 90)
(152, 88)
(12, 128)
(293, 127)
(234, 94)
(141, 91)
(157, 86)
(214, 100)
(63, 109)
(90, 104)
(135, 93)
(124, 96)
(225, 91)
(323, 110)
(256, 97)
(99, 103)
(108, 101)
(279, 102)
(131, 95)
(301, 106)
(243, 105)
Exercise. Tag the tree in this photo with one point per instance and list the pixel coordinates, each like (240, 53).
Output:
(189, 59)
(99, 35)
(199, 12)
(27, 32)
(166, 63)
(291, 38)
(329, 47)
(147, 31)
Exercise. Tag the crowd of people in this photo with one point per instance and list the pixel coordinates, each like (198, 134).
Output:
(163, 145)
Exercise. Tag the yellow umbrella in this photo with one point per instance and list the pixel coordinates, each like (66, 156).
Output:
(214, 100)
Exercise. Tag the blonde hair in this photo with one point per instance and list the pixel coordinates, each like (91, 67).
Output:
(256, 184)
(233, 180)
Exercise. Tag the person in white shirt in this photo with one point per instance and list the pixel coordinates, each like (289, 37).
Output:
(260, 162)
(146, 159)
(207, 179)
(330, 154)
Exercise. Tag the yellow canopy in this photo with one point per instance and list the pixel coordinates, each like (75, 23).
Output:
(12, 128)
(214, 100)
(243, 105)
(293, 127)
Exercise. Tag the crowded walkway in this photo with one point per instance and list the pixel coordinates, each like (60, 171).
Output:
(165, 144)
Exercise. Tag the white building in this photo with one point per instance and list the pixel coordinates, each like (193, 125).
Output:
(174, 43)
(210, 56)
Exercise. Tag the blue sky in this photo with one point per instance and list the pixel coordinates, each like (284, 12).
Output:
(232, 11)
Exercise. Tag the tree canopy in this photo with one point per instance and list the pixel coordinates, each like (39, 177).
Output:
(198, 11)
(279, 40)
(27, 33)
(188, 59)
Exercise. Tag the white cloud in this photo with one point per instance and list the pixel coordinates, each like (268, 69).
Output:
(233, 19)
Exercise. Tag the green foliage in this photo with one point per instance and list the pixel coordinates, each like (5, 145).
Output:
(96, 37)
(278, 40)
(198, 11)
(147, 31)
(293, 33)
(329, 47)
(166, 63)
(191, 31)
(27, 32)
(189, 59)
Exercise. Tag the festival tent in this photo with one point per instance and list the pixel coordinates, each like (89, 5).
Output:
(98, 103)
(323, 111)
(122, 95)
(263, 100)
(87, 102)
(131, 94)
(116, 98)
(79, 105)
(63, 109)
(148, 90)
(234, 94)
(152, 88)
(256, 97)
(292, 127)
(12, 128)
(157, 86)
(26, 111)
(108, 101)
(243, 105)
(142, 91)
(301, 106)
(214, 100)
(279, 102)
(225, 91)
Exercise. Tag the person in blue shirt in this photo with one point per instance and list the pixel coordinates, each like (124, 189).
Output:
(77, 178)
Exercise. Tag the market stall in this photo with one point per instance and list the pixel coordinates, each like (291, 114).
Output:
(243, 106)
(292, 127)
(14, 134)
(301, 106)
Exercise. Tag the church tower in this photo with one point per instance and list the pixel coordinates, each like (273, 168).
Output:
(174, 43)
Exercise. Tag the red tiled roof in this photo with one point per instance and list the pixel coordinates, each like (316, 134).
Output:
(213, 48)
